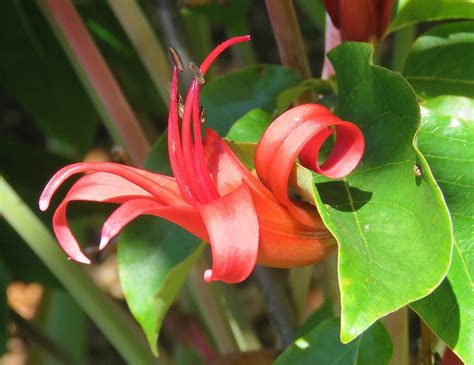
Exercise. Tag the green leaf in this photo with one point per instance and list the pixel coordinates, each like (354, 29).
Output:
(448, 144)
(414, 11)
(439, 62)
(250, 127)
(393, 227)
(154, 259)
(322, 346)
(287, 97)
(229, 97)
(35, 71)
(3, 309)
(322, 313)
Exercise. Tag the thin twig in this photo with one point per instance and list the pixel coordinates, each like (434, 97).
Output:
(397, 326)
(279, 307)
(289, 40)
(169, 21)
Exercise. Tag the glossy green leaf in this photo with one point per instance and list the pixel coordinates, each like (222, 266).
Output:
(414, 11)
(393, 227)
(447, 141)
(229, 97)
(439, 62)
(35, 71)
(250, 127)
(287, 97)
(3, 309)
(322, 346)
(154, 259)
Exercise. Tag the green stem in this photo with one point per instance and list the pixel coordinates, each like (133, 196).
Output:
(96, 77)
(207, 299)
(111, 319)
(300, 283)
(402, 43)
(146, 44)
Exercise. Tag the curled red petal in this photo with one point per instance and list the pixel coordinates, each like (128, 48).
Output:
(185, 216)
(98, 187)
(66, 239)
(300, 132)
(232, 224)
(161, 187)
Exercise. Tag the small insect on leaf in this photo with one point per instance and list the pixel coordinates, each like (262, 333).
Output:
(417, 170)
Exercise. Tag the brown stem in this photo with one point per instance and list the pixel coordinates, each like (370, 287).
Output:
(426, 337)
(279, 306)
(289, 40)
(397, 326)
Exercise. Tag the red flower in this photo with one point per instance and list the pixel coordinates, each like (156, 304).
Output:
(360, 20)
(213, 196)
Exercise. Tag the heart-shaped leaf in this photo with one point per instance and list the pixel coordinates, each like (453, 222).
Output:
(439, 62)
(414, 11)
(447, 141)
(322, 346)
(392, 225)
(227, 98)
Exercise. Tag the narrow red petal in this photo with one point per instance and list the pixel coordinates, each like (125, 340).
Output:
(202, 169)
(185, 216)
(161, 187)
(219, 49)
(232, 224)
(65, 237)
(98, 187)
(175, 150)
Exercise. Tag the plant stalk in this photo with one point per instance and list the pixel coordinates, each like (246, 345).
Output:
(289, 40)
(112, 320)
(145, 42)
(397, 326)
(402, 43)
(279, 306)
(96, 77)
(210, 307)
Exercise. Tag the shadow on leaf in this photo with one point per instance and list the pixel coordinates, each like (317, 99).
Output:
(339, 195)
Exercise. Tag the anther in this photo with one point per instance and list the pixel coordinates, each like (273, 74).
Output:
(176, 58)
(196, 72)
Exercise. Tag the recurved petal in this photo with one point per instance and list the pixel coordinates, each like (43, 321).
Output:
(161, 187)
(185, 216)
(232, 224)
(97, 187)
(301, 132)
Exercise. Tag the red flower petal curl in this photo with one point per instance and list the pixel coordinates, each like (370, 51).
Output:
(301, 132)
